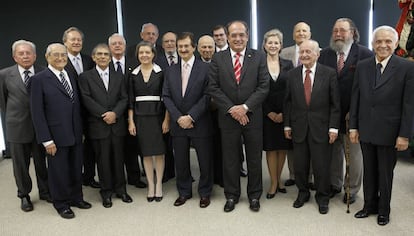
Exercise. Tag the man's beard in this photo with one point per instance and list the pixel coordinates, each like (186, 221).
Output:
(339, 45)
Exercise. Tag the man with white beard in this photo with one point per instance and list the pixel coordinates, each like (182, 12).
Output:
(343, 54)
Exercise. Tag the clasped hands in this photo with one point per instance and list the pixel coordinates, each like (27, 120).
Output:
(185, 122)
(109, 117)
(239, 113)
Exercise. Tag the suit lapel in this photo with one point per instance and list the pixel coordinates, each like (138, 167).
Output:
(351, 59)
(298, 83)
(388, 72)
(229, 64)
(318, 80)
(98, 80)
(246, 62)
(17, 80)
(192, 78)
(55, 80)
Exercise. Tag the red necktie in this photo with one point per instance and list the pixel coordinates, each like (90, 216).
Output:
(237, 68)
(341, 62)
(308, 87)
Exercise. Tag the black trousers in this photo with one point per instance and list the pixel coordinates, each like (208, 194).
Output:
(20, 153)
(203, 147)
(131, 159)
(379, 163)
(231, 143)
(110, 160)
(89, 161)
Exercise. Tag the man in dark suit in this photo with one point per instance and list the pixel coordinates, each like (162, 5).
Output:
(121, 65)
(78, 63)
(239, 83)
(14, 100)
(205, 48)
(381, 118)
(311, 118)
(342, 55)
(55, 109)
(187, 102)
(105, 98)
(169, 54)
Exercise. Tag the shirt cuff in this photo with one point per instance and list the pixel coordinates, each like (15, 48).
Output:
(333, 130)
(287, 128)
(353, 130)
(47, 143)
(245, 107)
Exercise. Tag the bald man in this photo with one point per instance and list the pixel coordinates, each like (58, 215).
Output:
(206, 48)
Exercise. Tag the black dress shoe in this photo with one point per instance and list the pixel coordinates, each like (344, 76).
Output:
(46, 198)
(107, 202)
(67, 213)
(300, 201)
(92, 184)
(364, 213)
(323, 209)
(289, 182)
(254, 205)
(281, 190)
(26, 205)
(125, 197)
(82, 204)
(204, 202)
(271, 195)
(351, 198)
(383, 220)
(230, 204)
(181, 200)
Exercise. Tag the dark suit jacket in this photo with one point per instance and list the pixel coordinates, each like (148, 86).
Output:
(252, 89)
(194, 103)
(15, 101)
(323, 112)
(345, 78)
(87, 64)
(383, 112)
(97, 100)
(55, 116)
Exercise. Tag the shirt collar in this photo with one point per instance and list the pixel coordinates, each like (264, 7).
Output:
(383, 62)
(223, 48)
(233, 53)
(346, 49)
(313, 69)
(22, 70)
(156, 68)
(122, 60)
(100, 71)
(70, 56)
(190, 62)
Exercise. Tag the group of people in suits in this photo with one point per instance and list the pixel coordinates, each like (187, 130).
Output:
(301, 102)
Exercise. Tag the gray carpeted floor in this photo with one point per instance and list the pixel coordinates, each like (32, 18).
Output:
(276, 216)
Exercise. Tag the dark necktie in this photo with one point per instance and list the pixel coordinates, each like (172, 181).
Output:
(378, 73)
(171, 59)
(308, 87)
(341, 62)
(237, 68)
(118, 67)
(26, 78)
(66, 85)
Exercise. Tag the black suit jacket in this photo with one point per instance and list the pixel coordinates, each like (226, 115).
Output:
(384, 111)
(97, 100)
(15, 102)
(323, 112)
(87, 64)
(328, 57)
(55, 116)
(252, 89)
(194, 103)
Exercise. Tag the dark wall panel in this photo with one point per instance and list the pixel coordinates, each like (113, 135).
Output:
(198, 17)
(319, 14)
(43, 22)
(386, 13)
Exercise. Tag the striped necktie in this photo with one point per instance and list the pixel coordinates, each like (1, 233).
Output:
(237, 68)
(66, 85)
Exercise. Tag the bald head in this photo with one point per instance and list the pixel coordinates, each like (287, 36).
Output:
(301, 32)
(206, 47)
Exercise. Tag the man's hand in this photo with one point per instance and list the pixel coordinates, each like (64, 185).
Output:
(109, 117)
(185, 122)
(51, 149)
(288, 134)
(332, 137)
(401, 144)
(354, 136)
(238, 113)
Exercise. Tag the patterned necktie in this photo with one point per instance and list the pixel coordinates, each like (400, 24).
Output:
(237, 68)
(26, 78)
(341, 62)
(171, 60)
(185, 75)
(76, 65)
(308, 87)
(66, 85)
(378, 73)
(119, 67)
(105, 79)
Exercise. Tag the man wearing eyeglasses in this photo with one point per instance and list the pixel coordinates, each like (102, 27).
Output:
(55, 109)
(105, 98)
(343, 55)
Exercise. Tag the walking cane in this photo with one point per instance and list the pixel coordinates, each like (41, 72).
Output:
(347, 188)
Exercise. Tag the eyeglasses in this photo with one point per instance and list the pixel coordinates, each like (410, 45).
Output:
(59, 54)
(341, 30)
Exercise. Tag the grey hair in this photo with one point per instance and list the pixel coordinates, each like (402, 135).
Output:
(50, 46)
(23, 42)
(114, 35)
(385, 28)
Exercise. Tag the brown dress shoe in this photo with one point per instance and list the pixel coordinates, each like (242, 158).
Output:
(181, 200)
(204, 202)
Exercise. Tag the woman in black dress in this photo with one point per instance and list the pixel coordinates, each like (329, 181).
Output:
(274, 142)
(147, 118)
